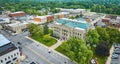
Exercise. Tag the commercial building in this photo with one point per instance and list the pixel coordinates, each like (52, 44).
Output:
(40, 19)
(9, 53)
(73, 11)
(113, 21)
(61, 15)
(17, 27)
(20, 15)
(17, 14)
(50, 18)
(4, 20)
(66, 28)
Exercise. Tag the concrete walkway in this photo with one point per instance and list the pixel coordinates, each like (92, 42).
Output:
(109, 58)
(59, 42)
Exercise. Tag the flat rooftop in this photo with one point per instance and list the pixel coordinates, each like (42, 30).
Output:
(16, 24)
(18, 12)
(3, 40)
(81, 23)
(7, 48)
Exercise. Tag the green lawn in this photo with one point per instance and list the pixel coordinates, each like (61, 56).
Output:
(59, 49)
(51, 42)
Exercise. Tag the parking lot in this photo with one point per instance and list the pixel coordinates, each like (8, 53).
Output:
(116, 54)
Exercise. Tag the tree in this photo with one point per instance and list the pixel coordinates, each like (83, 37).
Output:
(104, 36)
(72, 17)
(55, 10)
(77, 50)
(46, 29)
(114, 35)
(92, 37)
(51, 32)
(80, 15)
(46, 12)
(47, 38)
(35, 30)
(102, 49)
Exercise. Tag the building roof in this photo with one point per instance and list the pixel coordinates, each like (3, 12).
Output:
(61, 13)
(74, 23)
(7, 48)
(3, 40)
(16, 24)
(17, 12)
(40, 17)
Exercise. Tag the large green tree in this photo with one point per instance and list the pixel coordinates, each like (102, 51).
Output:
(104, 36)
(102, 49)
(92, 37)
(46, 29)
(35, 30)
(114, 35)
(77, 50)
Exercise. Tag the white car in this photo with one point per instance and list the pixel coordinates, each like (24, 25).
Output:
(115, 56)
(93, 61)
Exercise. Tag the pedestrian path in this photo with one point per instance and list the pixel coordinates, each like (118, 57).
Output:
(109, 58)
(59, 42)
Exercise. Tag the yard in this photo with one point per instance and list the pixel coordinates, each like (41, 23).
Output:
(42, 40)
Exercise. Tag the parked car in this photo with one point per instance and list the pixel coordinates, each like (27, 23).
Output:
(116, 49)
(115, 56)
(93, 61)
(20, 48)
(117, 46)
(117, 52)
(19, 43)
(32, 63)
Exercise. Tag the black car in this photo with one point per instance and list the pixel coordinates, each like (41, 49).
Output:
(32, 63)
(19, 43)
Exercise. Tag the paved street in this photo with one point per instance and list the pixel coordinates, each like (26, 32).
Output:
(35, 52)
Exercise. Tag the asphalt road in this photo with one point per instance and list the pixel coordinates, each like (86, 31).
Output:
(36, 52)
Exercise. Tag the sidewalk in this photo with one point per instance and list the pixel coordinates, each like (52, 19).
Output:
(109, 58)
(59, 42)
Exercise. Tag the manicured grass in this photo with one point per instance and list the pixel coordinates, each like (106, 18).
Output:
(51, 42)
(59, 49)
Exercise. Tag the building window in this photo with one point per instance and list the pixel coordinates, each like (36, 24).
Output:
(8, 57)
(1, 61)
(11, 55)
(14, 54)
(8, 62)
(17, 53)
(5, 59)
(14, 58)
